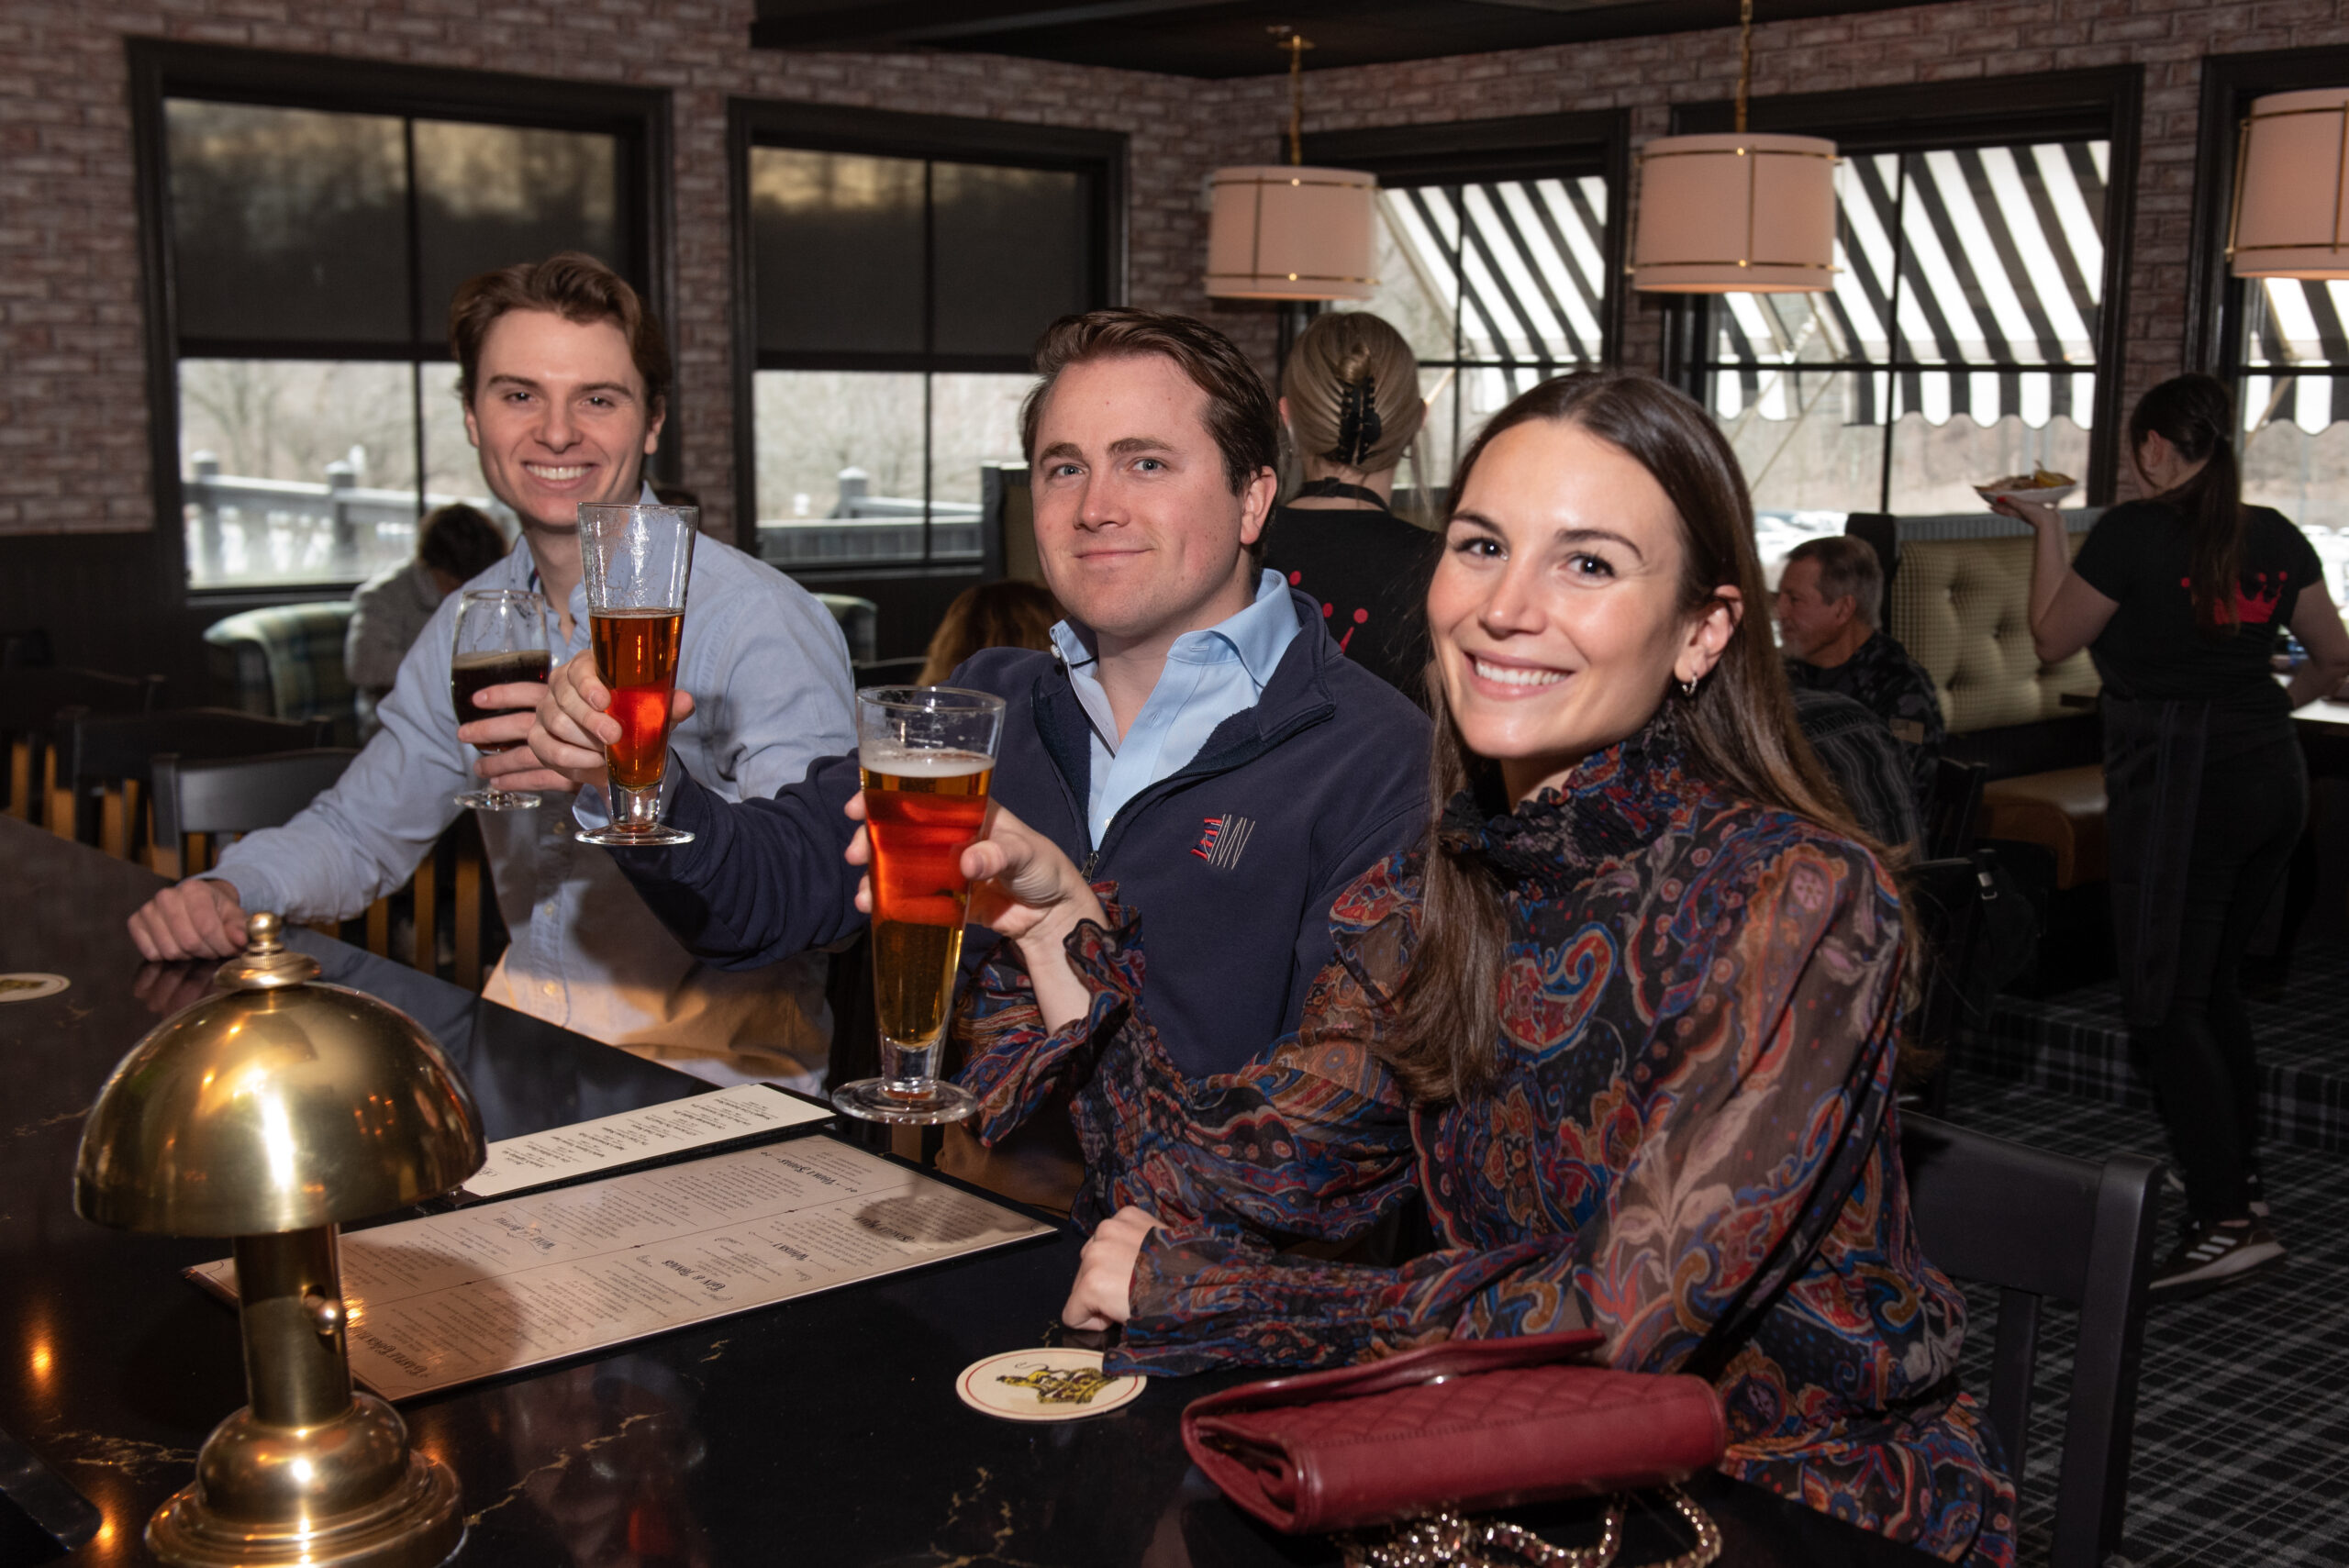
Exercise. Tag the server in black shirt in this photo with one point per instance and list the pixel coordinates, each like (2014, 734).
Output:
(2180, 598)
(1350, 405)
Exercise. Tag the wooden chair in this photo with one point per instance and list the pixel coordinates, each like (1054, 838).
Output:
(2038, 1226)
(31, 701)
(1946, 898)
(109, 756)
(1952, 807)
(197, 801)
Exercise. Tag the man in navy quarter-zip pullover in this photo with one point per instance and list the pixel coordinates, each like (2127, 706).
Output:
(1194, 737)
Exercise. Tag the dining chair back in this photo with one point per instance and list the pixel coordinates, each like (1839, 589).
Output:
(106, 758)
(31, 701)
(1952, 807)
(2040, 1226)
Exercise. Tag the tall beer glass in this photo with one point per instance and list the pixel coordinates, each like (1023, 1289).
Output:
(638, 560)
(926, 754)
(501, 637)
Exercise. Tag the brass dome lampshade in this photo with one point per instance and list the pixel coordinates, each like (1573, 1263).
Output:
(2292, 216)
(1286, 231)
(1737, 214)
(271, 1112)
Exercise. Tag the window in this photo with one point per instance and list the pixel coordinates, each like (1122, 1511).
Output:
(1969, 321)
(900, 269)
(2280, 342)
(312, 222)
(1499, 258)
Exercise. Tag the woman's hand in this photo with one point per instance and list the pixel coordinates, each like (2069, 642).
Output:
(2040, 517)
(1023, 887)
(1104, 1290)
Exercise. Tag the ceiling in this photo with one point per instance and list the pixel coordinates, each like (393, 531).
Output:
(1221, 38)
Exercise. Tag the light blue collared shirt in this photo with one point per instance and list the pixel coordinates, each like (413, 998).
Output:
(1210, 676)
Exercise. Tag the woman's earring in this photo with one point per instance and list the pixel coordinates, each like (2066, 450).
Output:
(1688, 689)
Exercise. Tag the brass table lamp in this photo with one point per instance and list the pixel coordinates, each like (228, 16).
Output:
(271, 1112)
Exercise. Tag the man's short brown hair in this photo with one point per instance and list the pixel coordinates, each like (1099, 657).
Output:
(573, 285)
(1848, 569)
(1241, 415)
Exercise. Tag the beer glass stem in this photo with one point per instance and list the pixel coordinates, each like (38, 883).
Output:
(636, 808)
(909, 1069)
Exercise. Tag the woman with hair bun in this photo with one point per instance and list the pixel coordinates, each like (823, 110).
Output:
(2180, 597)
(1349, 405)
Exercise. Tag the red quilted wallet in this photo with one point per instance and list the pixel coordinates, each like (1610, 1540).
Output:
(1469, 1424)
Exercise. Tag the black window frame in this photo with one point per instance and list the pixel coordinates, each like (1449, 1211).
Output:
(2214, 296)
(2101, 103)
(1516, 147)
(889, 133)
(161, 68)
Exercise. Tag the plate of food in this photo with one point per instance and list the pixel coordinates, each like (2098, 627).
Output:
(2040, 486)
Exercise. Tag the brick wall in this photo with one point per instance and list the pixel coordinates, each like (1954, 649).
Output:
(73, 398)
(72, 451)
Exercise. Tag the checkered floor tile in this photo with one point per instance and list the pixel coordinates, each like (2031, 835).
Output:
(2076, 1044)
(2242, 1416)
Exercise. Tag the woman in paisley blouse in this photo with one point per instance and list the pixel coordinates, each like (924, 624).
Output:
(1623, 1019)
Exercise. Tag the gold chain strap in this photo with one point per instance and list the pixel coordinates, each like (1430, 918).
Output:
(1447, 1540)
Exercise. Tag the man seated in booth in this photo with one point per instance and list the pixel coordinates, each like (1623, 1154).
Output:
(564, 376)
(1195, 737)
(1831, 606)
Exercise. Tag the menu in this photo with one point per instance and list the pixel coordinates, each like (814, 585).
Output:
(495, 1287)
(583, 1149)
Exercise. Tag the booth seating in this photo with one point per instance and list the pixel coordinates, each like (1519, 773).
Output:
(285, 662)
(1958, 593)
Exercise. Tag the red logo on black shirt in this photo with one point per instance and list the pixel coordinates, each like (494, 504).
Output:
(2258, 607)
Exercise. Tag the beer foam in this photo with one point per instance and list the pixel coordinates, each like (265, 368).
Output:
(883, 758)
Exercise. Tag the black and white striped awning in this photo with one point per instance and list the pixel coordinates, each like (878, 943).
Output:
(2295, 332)
(1522, 261)
(1998, 253)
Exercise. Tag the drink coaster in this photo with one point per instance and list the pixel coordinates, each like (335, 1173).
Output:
(1044, 1384)
(31, 987)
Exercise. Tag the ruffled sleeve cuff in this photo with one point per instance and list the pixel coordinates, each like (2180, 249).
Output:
(1015, 1066)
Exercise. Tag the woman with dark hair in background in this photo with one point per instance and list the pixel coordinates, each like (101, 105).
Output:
(1350, 406)
(454, 544)
(2180, 598)
(1008, 614)
(1624, 1019)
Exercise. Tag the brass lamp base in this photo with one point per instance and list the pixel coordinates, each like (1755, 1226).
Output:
(346, 1492)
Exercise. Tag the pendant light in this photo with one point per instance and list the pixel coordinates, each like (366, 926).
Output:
(2291, 176)
(1743, 213)
(1284, 231)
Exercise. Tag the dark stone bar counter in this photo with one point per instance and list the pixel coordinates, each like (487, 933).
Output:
(820, 1432)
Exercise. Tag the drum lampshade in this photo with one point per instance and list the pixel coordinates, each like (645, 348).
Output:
(1284, 232)
(1745, 213)
(2291, 188)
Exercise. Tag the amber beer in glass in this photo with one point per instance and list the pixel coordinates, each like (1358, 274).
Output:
(926, 754)
(637, 560)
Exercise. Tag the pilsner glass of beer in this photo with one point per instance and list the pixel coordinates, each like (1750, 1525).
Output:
(926, 754)
(501, 637)
(637, 559)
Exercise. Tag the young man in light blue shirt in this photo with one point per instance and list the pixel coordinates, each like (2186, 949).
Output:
(564, 378)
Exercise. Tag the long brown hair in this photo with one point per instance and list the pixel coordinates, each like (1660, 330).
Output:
(1739, 730)
(2194, 414)
(1009, 614)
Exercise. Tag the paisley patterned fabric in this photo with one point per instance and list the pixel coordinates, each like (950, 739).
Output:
(1697, 994)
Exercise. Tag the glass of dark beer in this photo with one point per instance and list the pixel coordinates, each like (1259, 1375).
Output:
(501, 637)
(926, 754)
(638, 560)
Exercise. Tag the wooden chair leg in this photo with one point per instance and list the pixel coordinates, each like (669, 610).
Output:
(114, 821)
(57, 804)
(468, 928)
(426, 955)
(199, 855)
(20, 779)
(379, 927)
